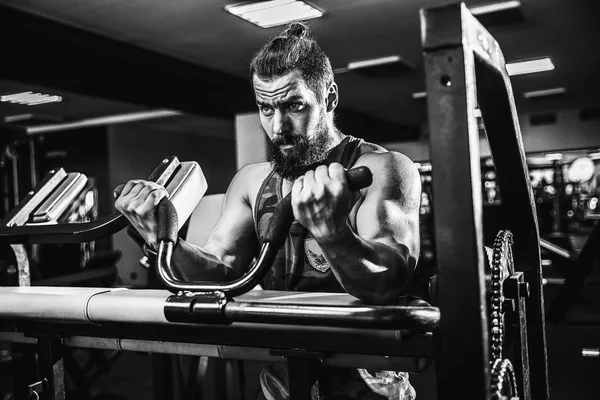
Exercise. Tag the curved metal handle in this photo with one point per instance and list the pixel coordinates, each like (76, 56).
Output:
(277, 231)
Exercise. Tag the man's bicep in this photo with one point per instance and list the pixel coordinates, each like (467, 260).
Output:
(389, 222)
(390, 211)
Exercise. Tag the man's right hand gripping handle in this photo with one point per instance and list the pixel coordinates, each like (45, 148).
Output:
(137, 200)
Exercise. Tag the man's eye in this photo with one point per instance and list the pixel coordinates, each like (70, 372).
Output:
(296, 106)
(266, 110)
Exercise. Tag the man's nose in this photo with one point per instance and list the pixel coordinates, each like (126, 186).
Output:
(281, 123)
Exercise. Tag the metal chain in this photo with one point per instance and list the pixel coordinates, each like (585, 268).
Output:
(503, 241)
(502, 373)
(503, 378)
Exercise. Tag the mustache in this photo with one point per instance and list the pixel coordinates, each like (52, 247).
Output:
(287, 140)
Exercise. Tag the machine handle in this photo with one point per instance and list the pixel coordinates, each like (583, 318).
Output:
(279, 226)
(277, 231)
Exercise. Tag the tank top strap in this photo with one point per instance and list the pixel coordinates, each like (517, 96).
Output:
(351, 151)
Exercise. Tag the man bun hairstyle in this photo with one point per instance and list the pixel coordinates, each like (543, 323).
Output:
(294, 48)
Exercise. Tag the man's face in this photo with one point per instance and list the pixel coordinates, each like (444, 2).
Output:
(294, 119)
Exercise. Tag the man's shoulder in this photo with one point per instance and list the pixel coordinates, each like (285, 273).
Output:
(372, 154)
(254, 171)
(249, 178)
(390, 166)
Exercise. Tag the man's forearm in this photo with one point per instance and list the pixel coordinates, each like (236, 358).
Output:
(196, 264)
(368, 270)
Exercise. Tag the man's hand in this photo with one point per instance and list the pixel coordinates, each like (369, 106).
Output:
(138, 202)
(321, 202)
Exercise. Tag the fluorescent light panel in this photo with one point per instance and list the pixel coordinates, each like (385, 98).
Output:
(494, 7)
(530, 66)
(267, 14)
(545, 92)
(373, 62)
(30, 99)
(554, 156)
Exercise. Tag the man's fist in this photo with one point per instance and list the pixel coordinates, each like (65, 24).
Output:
(138, 202)
(322, 201)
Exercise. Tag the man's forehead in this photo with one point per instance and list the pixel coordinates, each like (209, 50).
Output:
(286, 85)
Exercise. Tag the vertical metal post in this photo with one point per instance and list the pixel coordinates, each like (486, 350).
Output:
(462, 338)
(465, 69)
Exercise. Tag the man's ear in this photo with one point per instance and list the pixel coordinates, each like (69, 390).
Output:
(332, 97)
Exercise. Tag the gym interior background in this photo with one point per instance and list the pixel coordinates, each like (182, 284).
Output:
(111, 88)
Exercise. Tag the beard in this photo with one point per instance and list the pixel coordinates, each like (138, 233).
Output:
(305, 155)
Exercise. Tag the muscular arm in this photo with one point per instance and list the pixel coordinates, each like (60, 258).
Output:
(375, 261)
(231, 245)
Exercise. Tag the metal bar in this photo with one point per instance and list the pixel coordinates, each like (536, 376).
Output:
(333, 359)
(101, 121)
(462, 337)
(418, 319)
(551, 247)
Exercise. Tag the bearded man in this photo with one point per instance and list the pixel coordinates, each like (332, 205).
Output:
(365, 243)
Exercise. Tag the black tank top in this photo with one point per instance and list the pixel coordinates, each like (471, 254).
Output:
(299, 265)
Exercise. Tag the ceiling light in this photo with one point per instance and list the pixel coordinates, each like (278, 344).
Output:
(373, 62)
(267, 14)
(554, 156)
(494, 7)
(545, 92)
(419, 95)
(530, 66)
(30, 99)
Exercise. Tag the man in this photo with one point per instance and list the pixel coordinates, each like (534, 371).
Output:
(365, 243)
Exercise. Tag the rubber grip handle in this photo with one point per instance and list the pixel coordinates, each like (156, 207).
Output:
(359, 178)
(118, 190)
(168, 224)
(283, 216)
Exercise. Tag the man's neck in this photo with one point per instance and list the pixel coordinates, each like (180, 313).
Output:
(334, 146)
(336, 138)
